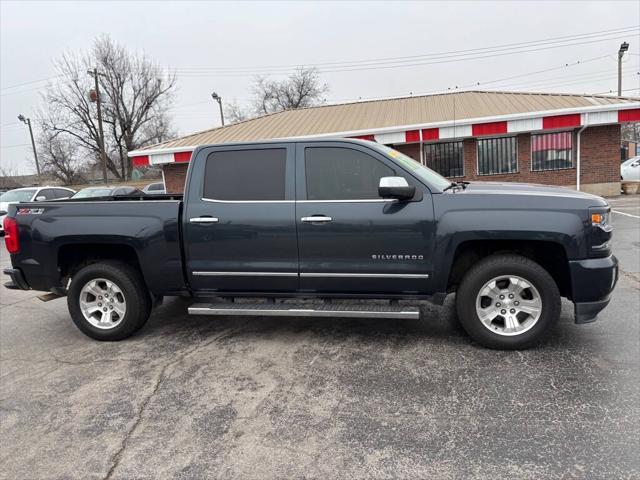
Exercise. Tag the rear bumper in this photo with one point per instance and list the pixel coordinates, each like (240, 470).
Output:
(592, 282)
(17, 281)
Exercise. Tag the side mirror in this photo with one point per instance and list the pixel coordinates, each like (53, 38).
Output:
(40, 198)
(395, 187)
(2, 213)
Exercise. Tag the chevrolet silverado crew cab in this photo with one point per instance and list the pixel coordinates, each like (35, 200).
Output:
(343, 228)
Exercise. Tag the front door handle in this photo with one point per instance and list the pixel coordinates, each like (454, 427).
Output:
(204, 220)
(316, 219)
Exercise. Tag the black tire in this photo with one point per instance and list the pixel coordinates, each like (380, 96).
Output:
(134, 290)
(507, 264)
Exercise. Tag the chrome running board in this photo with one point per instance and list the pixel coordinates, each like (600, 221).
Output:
(306, 310)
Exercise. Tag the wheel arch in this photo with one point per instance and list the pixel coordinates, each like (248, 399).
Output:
(73, 256)
(550, 255)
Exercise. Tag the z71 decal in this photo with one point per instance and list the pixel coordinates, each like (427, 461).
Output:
(30, 211)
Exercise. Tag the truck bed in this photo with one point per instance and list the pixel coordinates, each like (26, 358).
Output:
(145, 228)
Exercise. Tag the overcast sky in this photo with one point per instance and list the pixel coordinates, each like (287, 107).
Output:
(193, 38)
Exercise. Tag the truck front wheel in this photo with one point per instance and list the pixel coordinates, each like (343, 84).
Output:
(108, 301)
(508, 302)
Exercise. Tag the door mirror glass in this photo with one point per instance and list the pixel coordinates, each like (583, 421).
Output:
(40, 198)
(395, 187)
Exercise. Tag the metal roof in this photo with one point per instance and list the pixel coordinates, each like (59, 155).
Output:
(360, 117)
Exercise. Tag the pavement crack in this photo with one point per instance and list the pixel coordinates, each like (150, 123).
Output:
(117, 457)
(139, 414)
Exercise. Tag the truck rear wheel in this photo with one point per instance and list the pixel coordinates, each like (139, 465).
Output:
(508, 302)
(108, 301)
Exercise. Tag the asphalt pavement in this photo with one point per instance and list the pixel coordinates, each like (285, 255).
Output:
(239, 398)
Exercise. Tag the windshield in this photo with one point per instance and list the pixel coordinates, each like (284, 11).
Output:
(93, 192)
(424, 173)
(630, 161)
(17, 196)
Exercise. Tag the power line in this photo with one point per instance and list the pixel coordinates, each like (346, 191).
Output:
(584, 76)
(29, 83)
(396, 62)
(560, 67)
(454, 53)
(385, 67)
(596, 77)
(16, 145)
(614, 91)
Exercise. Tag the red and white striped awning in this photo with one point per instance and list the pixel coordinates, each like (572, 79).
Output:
(463, 128)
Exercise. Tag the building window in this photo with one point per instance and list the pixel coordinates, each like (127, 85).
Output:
(551, 151)
(335, 173)
(497, 155)
(246, 175)
(445, 158)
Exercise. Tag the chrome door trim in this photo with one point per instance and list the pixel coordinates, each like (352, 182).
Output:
(244, 274)
(370, 200)
(212, 200)
(310, 274)
(363, 275)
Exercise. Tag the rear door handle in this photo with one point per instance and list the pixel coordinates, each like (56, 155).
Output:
(204, 220)
(316, 219)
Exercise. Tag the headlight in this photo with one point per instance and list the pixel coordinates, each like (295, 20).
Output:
(600, 219)
(600, 231)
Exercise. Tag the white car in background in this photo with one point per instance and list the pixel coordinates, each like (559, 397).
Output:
(30, 194)
(630, 170)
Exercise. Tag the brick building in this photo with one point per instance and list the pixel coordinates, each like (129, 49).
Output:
(556, 139)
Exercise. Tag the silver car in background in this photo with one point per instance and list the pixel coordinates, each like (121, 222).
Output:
(156, 188)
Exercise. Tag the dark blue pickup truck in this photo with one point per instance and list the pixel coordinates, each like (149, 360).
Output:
(315, 228)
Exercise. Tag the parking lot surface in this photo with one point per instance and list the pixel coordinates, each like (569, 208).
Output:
(196, 397)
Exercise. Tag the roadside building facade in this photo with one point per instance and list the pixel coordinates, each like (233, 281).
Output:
(556, 139)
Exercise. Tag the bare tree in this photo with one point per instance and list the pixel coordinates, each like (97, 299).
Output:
(301, 89)
(234, 113)
(631, 131)
(7, 175)
(59, 157)
(135, 96)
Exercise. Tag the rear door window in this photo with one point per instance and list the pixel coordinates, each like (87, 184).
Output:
(246, 175)
(337, 173)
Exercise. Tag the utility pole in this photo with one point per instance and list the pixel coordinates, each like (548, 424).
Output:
(103, 154)
(218, 99)
(623, 48)
(27, 122)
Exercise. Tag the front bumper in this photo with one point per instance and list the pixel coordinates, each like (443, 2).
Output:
(592, 281)
(17, 281)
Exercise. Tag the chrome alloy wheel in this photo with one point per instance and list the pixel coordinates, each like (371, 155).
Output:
(508, 305)
(102, 303)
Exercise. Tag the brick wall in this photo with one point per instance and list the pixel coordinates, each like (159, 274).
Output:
(600, 160)
(410, 149)
(600, 153)
(175, 175)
